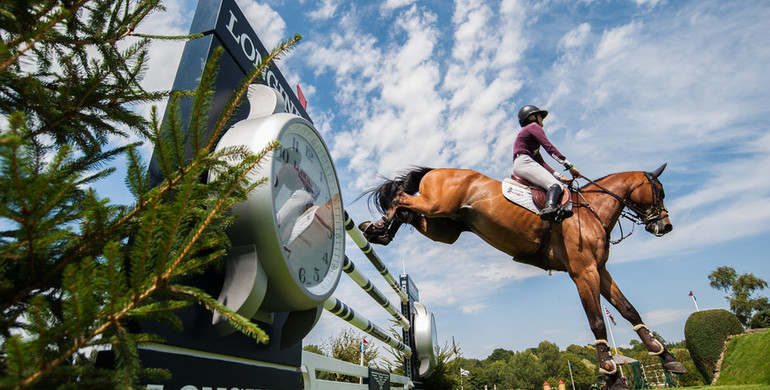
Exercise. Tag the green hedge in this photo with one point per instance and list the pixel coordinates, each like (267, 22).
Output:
(705, 333)
(761, 320)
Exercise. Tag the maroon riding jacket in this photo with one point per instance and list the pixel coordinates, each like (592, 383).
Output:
(530, 139)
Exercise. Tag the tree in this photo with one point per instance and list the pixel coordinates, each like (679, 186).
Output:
(345, 346)
(581, 374)
(446, 374)
(71, 279)
(740, 289)
(548, 354)
(527, 371)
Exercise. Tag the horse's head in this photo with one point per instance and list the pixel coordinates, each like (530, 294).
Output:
(647, 201)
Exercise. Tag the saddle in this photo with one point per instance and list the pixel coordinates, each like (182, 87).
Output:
(530, 196)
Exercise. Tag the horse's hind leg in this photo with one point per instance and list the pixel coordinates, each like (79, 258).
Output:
(612, 293)
(442, 230)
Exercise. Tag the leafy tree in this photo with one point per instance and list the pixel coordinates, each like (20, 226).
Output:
(499, 354)
(582, 374)
(527, 371)
(548, 354)
(499, 373)
(587, 352)
(741, 290)
(71, 280)
(346, 346)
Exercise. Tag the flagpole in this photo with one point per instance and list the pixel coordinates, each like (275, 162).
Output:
(362, 350)
(694, 301)
(569, 363)
(612, 337)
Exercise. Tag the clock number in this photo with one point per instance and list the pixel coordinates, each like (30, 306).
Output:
(326, 258)
(285, 155)
(317, 275)
(309, 153)
(302, 277)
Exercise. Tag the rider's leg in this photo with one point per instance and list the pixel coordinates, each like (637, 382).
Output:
(526, 167)
(551, 202)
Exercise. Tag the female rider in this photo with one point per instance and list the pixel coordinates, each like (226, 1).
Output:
(528, 163)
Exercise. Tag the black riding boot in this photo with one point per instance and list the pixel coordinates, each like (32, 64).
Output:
(551, 202)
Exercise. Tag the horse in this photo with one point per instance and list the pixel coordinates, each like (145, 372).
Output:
(443, 203)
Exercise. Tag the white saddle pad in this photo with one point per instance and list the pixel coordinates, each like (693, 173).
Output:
(519, 194)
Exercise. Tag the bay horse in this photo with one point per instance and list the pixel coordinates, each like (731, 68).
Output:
(443, 203)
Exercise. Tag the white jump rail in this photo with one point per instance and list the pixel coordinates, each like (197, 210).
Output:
(312, 363)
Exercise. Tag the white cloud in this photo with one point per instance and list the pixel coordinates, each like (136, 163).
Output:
(326, 11)
(265, 21)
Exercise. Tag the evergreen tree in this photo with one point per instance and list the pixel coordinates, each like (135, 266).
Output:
(78, 270)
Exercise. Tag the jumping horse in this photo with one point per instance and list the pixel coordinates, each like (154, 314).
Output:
(443, 203)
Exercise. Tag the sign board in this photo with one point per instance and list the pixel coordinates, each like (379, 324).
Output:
(223, 24)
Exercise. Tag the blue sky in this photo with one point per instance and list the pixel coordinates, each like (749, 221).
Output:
(629, 85)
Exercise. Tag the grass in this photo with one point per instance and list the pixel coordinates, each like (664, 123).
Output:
(747, 361)
(730, 387)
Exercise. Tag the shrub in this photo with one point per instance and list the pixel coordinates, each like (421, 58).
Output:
(705, 333)
(761, 320)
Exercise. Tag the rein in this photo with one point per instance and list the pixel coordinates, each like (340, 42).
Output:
(652, 214)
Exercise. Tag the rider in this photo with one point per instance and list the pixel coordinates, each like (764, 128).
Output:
(529, 164)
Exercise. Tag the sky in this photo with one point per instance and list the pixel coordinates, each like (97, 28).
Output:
(629, 85)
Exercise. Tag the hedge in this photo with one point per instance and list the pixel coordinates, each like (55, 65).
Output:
(760, 320)
(705, 333)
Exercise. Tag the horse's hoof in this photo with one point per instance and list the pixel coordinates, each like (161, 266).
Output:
(675, 367)
(364, 226)
(617, 383)
(671, 364)
(383, 239)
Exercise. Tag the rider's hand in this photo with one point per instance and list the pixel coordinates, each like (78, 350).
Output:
(565, 180)
(574, 172)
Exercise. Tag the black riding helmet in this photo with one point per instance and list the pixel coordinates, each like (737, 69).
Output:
(528, 110)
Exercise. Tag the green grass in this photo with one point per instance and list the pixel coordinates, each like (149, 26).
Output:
(730, 387)
(747, 360)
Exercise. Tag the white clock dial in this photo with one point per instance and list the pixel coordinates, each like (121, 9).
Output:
(295, 221)
(307, 201)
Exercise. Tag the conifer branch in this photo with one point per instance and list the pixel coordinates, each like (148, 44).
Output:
(255, 73)
(55, 19)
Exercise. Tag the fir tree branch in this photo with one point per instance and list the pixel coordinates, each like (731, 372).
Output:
(58, 17)
(236, 98)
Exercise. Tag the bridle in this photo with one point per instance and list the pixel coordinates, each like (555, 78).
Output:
(640, 216)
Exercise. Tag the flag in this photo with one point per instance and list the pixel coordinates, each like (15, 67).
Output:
(363, 345)
(464, 372)
(610, 315)
(692, 295)
(570, 365)
(301, 97)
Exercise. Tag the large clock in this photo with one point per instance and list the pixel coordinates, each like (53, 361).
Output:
(294, 220)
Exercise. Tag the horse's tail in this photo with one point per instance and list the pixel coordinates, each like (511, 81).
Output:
(409, 182)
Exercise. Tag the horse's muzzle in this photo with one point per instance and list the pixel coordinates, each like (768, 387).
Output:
(660, 227)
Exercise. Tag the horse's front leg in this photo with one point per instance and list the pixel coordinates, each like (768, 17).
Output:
(587, 282)
(612, 293)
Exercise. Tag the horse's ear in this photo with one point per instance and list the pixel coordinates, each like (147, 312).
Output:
(658, 171)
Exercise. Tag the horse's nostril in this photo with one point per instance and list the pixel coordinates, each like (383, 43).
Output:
(668, 228)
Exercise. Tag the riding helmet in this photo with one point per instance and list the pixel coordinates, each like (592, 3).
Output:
(528, 110)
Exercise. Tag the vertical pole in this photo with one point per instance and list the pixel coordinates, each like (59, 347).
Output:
(694, 301)
(612, 337)
(570, 374)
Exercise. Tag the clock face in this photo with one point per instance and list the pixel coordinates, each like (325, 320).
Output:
(308, 208)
